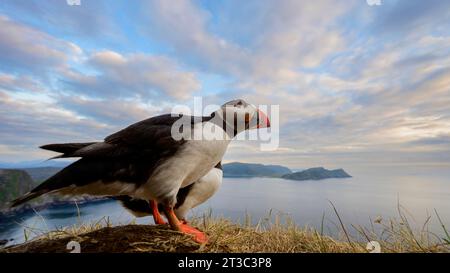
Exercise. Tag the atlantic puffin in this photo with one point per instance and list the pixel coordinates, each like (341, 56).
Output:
(152, 159)
(187, 198)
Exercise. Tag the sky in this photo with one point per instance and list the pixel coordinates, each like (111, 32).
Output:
(357, 84)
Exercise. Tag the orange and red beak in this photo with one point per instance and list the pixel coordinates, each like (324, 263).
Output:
(262, 120)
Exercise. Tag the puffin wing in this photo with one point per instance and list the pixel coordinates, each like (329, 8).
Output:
(128, 157)
(145, 133)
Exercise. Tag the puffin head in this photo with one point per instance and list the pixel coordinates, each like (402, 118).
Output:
(241, 116)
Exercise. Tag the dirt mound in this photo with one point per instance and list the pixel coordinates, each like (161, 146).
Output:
(120, 239)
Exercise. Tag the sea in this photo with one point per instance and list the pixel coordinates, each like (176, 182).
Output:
(413, 195)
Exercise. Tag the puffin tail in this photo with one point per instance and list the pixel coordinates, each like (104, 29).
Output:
(66, 149)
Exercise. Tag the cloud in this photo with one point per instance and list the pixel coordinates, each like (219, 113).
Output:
(146, 76)
(19, 83)
(296, 34)
(27, 49)
(288, 35)
(37, 107)
(411, 17)
(183, 26)
(90, 19)
(112, 111)
(29, 124)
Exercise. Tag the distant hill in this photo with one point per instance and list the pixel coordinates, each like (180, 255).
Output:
(237, 169)
(316, 174)
(41, 174)
(13, 183)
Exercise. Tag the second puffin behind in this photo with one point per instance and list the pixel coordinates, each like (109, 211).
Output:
(187, 198)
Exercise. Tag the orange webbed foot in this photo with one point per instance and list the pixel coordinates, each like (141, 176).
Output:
(199, 236)
(183, 227)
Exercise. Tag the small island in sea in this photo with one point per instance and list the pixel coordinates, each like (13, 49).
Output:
(238, 169)
(316, 174)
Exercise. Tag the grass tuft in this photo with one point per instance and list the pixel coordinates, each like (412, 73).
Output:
(275, 233)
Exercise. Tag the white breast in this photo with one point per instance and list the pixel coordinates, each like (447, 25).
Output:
(203, 154)
(193, 161)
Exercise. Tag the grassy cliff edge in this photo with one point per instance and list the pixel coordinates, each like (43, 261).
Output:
(274, 235)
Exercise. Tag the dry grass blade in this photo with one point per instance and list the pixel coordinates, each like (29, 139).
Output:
(274, 233)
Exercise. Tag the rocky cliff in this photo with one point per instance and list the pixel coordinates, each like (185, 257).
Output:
(13, 183)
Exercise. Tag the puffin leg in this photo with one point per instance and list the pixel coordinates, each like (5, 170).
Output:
(156, 215)
(177, 225)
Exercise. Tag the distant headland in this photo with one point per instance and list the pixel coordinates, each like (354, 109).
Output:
(316, 174)
(237, 169)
